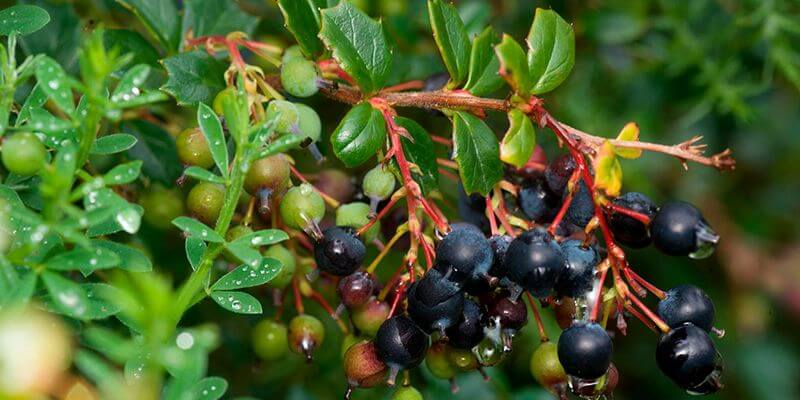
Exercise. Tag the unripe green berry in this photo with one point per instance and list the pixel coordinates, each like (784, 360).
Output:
(299, 77)
(302, 206)
(369, 317)
(233, 234)
(288, 263)
(308, 123)
(407, 393)
(205, 201)
(270, 340)
(438, 362)
(220, 99)
(356, 215)
(291, 53)
(23, 154)
(306, 333)
(270, 173)
(193, 148)
(545, 366)
(489, 353)
(462, 360)
(161, 206)
(379, 183)
(286, 114)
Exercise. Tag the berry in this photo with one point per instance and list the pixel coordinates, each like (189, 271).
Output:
(436, 81)
(362, 366)
(462, 359)
(488, 353)
(161, 206)
(286, 114)
(270, 340)
(336, 184)
(581, 208)
(584, 350)
(302, 207)
(288, 267)
(193, 148)
(356, 215)
(349, 341)
(23, 154)
(299, 77)
(268, 175)
(559, 171)
(580, 263)
(629, 231)
(545, 367)
(499, 244)
(438, 362)
(687, 304)
(406, 392)
(379, 183)
(369, 317)
(308, 122)
(435, 315)
(306, 333)
(356, 289)
(401, 344)
(687, 355)
(291, 53)
(679, 229)
(340, 252)
(511, 316)
(534, 262)
(205, 201)
(468, 331)
(464, 254)
(223, 97)
(435, 288)
(538, 202)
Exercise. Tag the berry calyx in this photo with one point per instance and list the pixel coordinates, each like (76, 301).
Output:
(687, 304)
(535, 262)
(628, 230)
(546, 368)
(205, 201)
(270, 340)
(679, 229)
(23, 154)
(288, 265)
(356, 289)
(193, 148)
(401, 344)
(299, 77)
(584, 350)
(579, 271)
(539, 203)
(306, 333)
(687, 355)
(339, 252)
(302, 208)
(369, 317)
(463, 255)
(309, 127)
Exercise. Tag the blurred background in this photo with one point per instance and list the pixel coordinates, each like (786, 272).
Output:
(725, 69)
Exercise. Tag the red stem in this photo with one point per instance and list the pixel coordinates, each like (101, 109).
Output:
(490, 215)
(298, 301)
(626, 211)
(542, 333)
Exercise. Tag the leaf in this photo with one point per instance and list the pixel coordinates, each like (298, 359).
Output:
(130, 85)
(552, 51)
(198, 229)
(238, 302)
(195, 248)
(420, 152)
(245, 275)
(22, 20)
(451, 38)
(110, 343)
(21, 290)
(123, 173)
(630, 132)
(83, 260)
(216, 17)
(160, 17)
(60, 38)
(203, 175)
(112, 144)
(359, 136)
(244, 253)
(131, 258)
(263, 237)
(156, 148)
(302, 20)
(211, 388)
(133, 43)
(483, 66)
(608, 171)
(54, 82)
(282, 145)
(36, 99)
(519, 141)
(67, 297)
(212, 131)
(194, 77)
(358, 44)
(127, 216)
(101, 300)
(513, 65)
(477, 152)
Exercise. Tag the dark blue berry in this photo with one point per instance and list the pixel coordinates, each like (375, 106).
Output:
(629, 231)
(559, 171)
(687, 304)
(464, 254)
(581, 208)
(584, 350)
(436, 81)
(534, 261)
(581, 262)
(468, 332)
(340, 252)
(679, 229)
(538, 202)
(434, 316)
(401, 343)
(687, 355)
(435, 288)
(497, 272)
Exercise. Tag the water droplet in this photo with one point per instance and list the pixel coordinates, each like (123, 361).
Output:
(129, 220)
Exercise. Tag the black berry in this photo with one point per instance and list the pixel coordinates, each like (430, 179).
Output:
(401, 344)
(584, 350)
(439, 312)
(559, 171)
(339, 252)
(464, 254)
(468, 332)
(538, 202)
(499, 244)
(627, 230)
(578, 276)
(679, 229)
(534, 262)
(687, 304)
(509, 314)
(581, 208)
(687, 356)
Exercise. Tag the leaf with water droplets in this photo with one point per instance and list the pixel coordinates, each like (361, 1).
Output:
(203, 175)
(195, 248)
(112, 144)
(36, 99)
(211, 388)
(130, 85)
(248, 275)
(85, 260)
(67, 297)
(238, 302)
(102, 302)
(131, 259)
(244, 253)
(123, 173)
(21, 290)
(22, 20)
(263, 237)
(196, 228)
(212, 131)
(55, 83)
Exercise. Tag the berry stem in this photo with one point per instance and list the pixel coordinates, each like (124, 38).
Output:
(490, 215)
(328, 199)
(401, 230)
(382, 213)
(565, 205)
(324, 304)
(502, 212)
(298, 301)
(542, 333)
(626, 211)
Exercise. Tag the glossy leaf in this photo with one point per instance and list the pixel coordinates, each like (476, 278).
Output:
(203, 175)
(112, 144)
(194, 77)
(358, 44)
(83, 260)
(477, 153)
(160, 17)
(608, 171)
(451, 38)
(359, 136)
(211, 388)
(630, 132)
(514, 65)
(123, 173)
(22, 20)
(281, 145)
(60, 38)
(552, 51)
(101, 302)
(263, 237)
(245, 275)
(216, 17)
(198, 229)
(238, 302)
(195, 248)
(130, 85)
(420, 152)
(131, 258)
(54, 82)
(36, 99)
(212, 131)
(519, 141)
(483, 66)
(67, 297)
(302, 20)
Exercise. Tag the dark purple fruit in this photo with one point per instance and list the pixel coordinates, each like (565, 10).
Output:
(535, 262)
(581, 208)
(687, 356)
(687, 304)
(559, 171)
(434, 316)
(401, 344)
(581, 262)
(356, 289)
(538, 202)
(468, 332)
(630, 231)
(340, 252)
(584, 350)
(464, 254)
(679, 229)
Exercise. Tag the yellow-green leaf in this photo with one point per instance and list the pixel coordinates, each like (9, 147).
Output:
(630, 132)
(519, 141)
(608, 171)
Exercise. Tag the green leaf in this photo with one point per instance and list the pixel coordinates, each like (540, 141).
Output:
(35, 100)
(244, 253)
(212, 131)
(216, 17)
(160, 17)
(476, 150)
(59, 39)
(123, 173)
(130, 85)
(54, 82)
(112, 144)
(83, 260)
(420, 152)
(195, 248)
(21, 290)
(133, 43)
(552, 51)
(302, 20)
(101, 303)
(483, 66)
(451, 38)
(608, 171)
(110, 343)
(359, 136)
(198, 229)
(358, 44)
(127, 216)
(630, 132)
(203, 175)
(156, 148)
(67, 297)
(519, 141)
(263, 237)
(282, 145)
(22, 20)
(131, 258)
(513, 65)
(194, 77)
(245, 275)
(238, 302)
(98, 370)
(211, 388)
